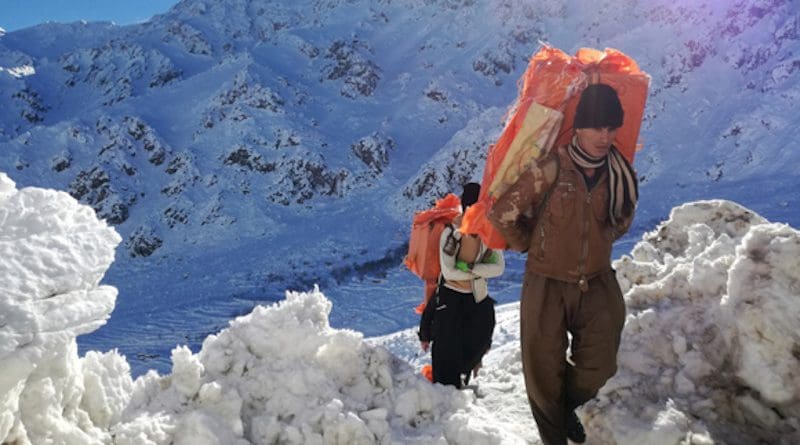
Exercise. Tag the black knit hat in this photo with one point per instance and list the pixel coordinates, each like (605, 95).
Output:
(470, 194)
(598, 107)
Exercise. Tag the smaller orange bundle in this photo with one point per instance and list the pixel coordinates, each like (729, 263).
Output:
(427, 372)
(423, 246)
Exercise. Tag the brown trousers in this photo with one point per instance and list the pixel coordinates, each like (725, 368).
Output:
(549, 309)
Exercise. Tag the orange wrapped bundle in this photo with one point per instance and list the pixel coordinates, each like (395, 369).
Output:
(542, 119)
(423, 246)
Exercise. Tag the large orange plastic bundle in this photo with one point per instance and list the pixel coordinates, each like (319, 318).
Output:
(423, 246)
(551, 87)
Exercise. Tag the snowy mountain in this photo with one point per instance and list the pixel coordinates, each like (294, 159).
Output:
(708, 354)
(245, 147)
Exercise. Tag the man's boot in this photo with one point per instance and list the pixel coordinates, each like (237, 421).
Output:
(575, 431)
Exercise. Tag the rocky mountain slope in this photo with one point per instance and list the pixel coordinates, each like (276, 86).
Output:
(226, 141)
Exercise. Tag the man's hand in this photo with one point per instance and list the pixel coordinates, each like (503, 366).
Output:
(424, 345)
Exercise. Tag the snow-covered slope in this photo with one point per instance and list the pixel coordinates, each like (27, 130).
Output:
(708, 354)
(280, 374)
(243, 147)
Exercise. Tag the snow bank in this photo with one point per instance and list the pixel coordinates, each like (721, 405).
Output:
(278, 375)
(53, 253)
(710, 350)
(282, 375)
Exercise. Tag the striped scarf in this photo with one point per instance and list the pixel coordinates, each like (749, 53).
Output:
(622, 187)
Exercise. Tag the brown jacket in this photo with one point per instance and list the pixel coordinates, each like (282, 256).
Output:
(564, 227)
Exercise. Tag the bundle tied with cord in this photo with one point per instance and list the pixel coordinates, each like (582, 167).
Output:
(542, 118)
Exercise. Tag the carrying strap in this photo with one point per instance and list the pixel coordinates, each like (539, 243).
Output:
(455, 255)
(450, 236)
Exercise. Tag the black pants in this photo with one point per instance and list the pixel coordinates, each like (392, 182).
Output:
(461, 332)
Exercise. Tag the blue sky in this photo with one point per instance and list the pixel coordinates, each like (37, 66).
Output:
(17, 14)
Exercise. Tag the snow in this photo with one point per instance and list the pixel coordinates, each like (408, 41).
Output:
(18, 71)
(696, 357)
(280, 373)
(54, 253)
(217, 132)
(709, 351)
(119, 117)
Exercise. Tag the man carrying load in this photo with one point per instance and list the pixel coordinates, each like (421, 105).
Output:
(565, 212)
(460, 317)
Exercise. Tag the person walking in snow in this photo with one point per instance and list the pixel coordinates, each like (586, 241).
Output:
(460, 318)
(566, 212)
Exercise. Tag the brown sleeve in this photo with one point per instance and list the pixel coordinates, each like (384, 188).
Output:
(513, 214)
(623, 226)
